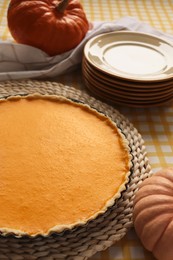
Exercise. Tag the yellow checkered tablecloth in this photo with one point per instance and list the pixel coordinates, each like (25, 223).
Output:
(155, 124)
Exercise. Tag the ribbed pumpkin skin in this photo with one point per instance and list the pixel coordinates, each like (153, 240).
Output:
(153, 214)
(38, 23)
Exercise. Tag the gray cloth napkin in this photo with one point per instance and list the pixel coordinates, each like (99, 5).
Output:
(18, 61)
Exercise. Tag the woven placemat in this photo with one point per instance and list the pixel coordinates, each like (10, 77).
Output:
(99, 234)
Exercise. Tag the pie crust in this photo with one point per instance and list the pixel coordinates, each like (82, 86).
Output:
(62, 164)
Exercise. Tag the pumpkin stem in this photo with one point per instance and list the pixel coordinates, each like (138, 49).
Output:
(61, 6)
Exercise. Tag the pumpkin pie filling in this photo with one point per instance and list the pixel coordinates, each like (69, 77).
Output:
(61, 164)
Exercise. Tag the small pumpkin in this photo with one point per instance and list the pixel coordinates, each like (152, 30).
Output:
(153, 214)
(53, 26)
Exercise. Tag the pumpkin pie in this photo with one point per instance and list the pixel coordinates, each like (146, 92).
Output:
(62, 163)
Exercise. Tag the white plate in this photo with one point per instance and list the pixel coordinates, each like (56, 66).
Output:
(131, 55)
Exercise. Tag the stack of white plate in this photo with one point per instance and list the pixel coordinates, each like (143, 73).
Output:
(129, 68)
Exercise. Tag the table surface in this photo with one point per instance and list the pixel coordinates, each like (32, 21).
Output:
(154, 124)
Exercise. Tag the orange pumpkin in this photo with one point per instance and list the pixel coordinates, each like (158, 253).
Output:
(153, 214)
(50, 25)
